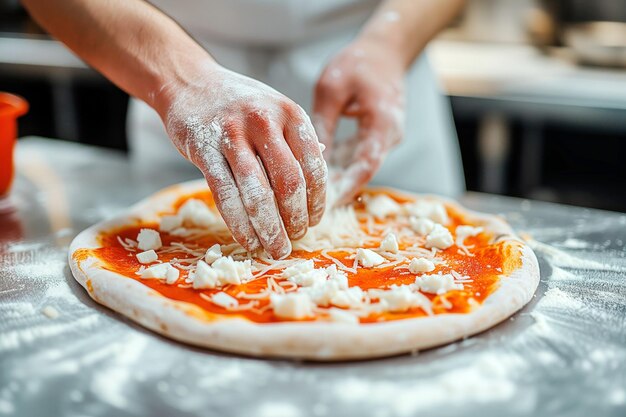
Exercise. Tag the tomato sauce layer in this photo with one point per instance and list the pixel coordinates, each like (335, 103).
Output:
(491, 261)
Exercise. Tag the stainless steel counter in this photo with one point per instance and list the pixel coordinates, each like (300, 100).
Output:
(63, 354)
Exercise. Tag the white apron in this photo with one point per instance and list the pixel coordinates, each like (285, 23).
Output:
(286, 44)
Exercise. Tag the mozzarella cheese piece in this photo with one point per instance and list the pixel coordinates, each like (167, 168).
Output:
(390, 244)
(401, 298)
(368, 258)
(342, 316)
(304, 274)
(322, 293)
(224, 300)
(335, 275)
(437, 283)
(195, 213)
(421, 226)
(463, 232)
(172, 275)
(432, 210)
(148, 239)
(299, 268)
(161, 271)
(439, 238)
(169, 223)
(230, 271)
(350, 298)
(382, 206)
(223, 271)
(204, 276)
(213, 254)
(147, 257)
(292, 305)
(419, 265)
(310, 278)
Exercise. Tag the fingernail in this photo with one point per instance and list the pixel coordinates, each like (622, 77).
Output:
(299, 234)
(285, 251)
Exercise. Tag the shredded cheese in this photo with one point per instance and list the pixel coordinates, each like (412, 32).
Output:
(296, 288)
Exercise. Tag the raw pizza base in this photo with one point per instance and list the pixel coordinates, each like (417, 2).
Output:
(322, 341)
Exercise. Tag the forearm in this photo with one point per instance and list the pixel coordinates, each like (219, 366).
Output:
(406, 26)
(130, 42)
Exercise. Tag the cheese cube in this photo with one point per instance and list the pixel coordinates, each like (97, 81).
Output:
(230, 271)
(195, 213)
(158, 271)
(427, 209)
(224, 300)
(401, 298)
(437, 283)
(439, 238)
(304, 274)
(382, 206)
(389, 244)
(213, 254)
(342, 316)
(322, 293)
(419, 265)
(147, 257)
(299, 268)
(148, 239)
(292, 305)
(368, 258)
(340, 277)
(421, 226)
(172, 275)
(205, 276)
(350, 298)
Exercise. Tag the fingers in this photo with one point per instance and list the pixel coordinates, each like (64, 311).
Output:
(256, 195)
(214, 166)
(330, 98)
(378, 132)
(302, 141)
(368, 157)
(284, 173)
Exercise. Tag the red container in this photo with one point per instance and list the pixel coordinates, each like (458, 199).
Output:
(11, 107)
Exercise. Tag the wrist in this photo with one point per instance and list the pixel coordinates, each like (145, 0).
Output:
(182, 72)
(383, 46)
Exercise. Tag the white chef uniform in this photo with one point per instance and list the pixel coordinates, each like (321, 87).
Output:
(286, 44)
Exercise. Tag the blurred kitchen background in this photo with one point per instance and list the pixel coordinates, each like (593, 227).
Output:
(538, 91)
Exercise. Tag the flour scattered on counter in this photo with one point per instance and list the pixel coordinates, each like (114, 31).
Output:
(277, 409)
(573, 243)
(16, 310)
(488, 379)
(15, 339)
(540, 321)
(556, 298)
(563, 259)
(560, 274)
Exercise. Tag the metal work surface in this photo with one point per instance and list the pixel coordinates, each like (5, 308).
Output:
(63, 354)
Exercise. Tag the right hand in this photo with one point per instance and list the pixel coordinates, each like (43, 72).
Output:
(220, 121)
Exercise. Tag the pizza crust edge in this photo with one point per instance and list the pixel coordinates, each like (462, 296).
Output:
(320, 341)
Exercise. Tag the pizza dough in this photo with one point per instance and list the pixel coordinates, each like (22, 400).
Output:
(385, 302)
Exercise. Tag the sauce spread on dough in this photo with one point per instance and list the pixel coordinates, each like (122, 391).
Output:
(492, 260)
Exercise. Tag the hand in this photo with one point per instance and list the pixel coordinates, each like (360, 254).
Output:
(257, 150)
(364, 81)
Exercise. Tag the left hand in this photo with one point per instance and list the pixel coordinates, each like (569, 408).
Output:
(364, 81)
